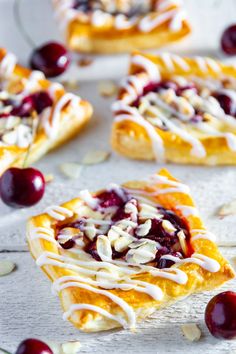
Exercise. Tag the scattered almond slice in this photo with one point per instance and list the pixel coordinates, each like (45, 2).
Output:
(71, 170)
(228, 209)
(49, 178)
(84, 61)
(191, 331)
(6, 267)
(107, 88)
(71, 84)
(71, 347)
(95, 157)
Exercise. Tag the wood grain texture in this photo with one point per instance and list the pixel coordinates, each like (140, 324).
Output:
(28, 309)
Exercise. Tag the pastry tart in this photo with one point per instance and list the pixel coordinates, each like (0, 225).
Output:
(177, 109)
(35, 114)
(117, 255)
(110, 26)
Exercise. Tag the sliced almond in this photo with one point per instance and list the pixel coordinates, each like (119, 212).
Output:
(90, 231)
(166, 224)
(228, 209)
(191, 331)
(67, 234)
(143, 254)
(104, 247)
(84, 61)
(6, 267)
(71, 84)
(182, 241)
(71, 170)
(107, 88)
(71, 347)
(95, 157)
(122, 243)
(10, 138)
(144, 228)
(49, 178)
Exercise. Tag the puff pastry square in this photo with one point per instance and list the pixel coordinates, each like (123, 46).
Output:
(117, 255)
(35, 114)
(177, 109)
(111, 26)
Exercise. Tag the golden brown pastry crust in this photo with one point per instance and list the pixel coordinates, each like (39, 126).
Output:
(68, 126)
(132, 140)
(86, 37)
(199, 279)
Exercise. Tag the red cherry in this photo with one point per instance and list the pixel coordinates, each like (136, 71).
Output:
(228, 40)
(21, 187)
(220, 315)
(33, 346)
(51, 58)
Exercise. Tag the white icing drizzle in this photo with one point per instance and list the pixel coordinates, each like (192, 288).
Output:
(51, 126)
(147, 65)
(157, 143)
(77, 307)
(187, 210)
(202, 234)
(7, 65)
(43, 233)
(116, 299)
(86, 196)
(149, 22)
(58, 212)
(207, 263)
(101, 276)
(32, 81)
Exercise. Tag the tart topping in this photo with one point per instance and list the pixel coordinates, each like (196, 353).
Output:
(135, 232)
(228, 40)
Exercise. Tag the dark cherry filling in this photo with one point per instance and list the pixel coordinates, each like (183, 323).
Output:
(164, 85)
(37, 102)
(226, 103)
(110, 199)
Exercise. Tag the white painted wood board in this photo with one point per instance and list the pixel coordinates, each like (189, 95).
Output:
(27, 307)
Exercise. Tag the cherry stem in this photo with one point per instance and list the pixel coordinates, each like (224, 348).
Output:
(24, 33)
(4, 351)
(34, 132)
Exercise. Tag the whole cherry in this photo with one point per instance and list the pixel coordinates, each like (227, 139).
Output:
(33, 346)
(51, 58)
(21, 187)
(228, 40)
(220, 315)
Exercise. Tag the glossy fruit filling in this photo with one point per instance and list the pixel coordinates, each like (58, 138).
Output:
(35, 102)
(132, 228)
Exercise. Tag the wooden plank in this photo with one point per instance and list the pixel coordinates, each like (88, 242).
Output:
(28, 309)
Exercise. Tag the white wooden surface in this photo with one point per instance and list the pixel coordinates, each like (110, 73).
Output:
(27, 307)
